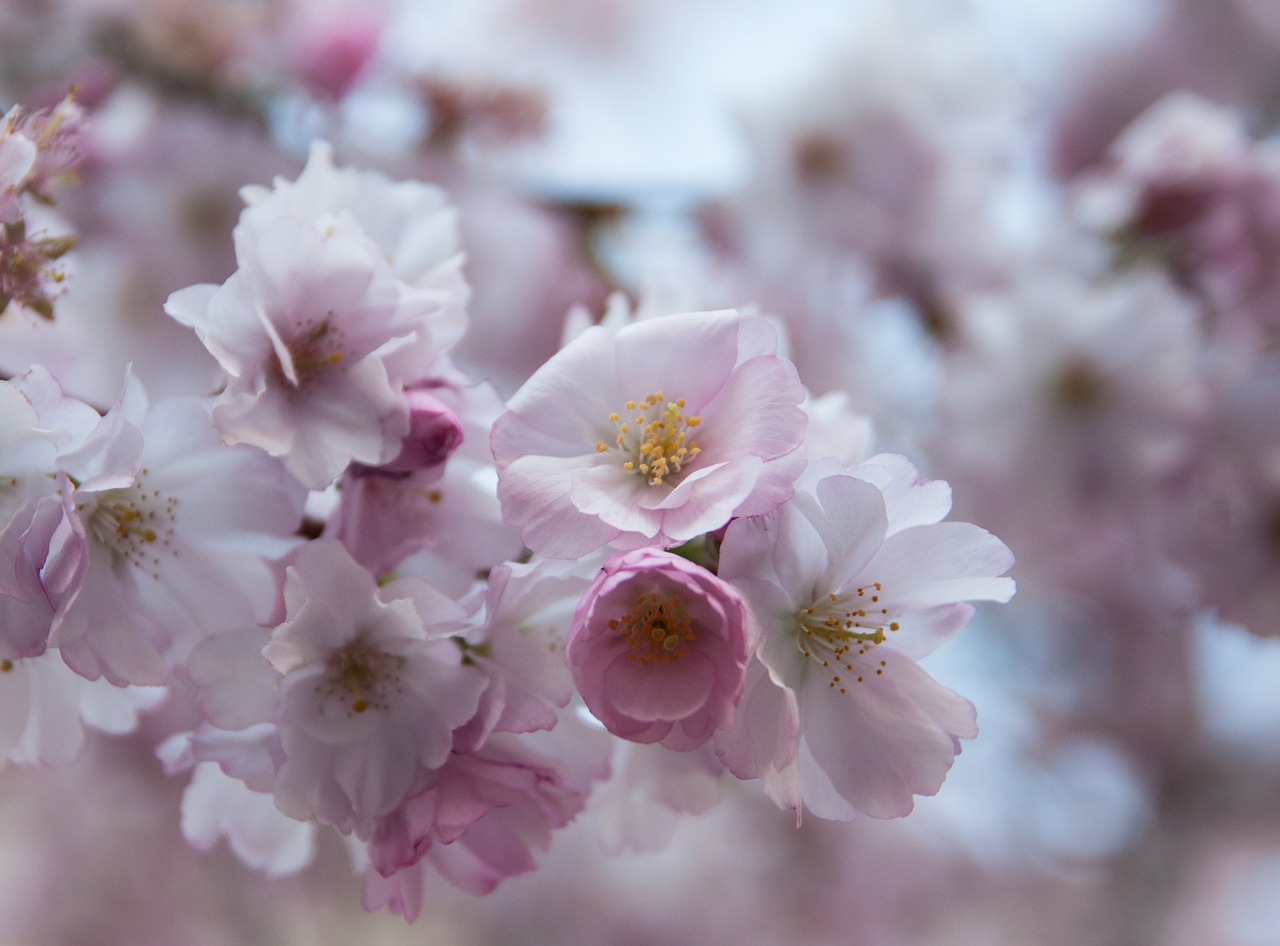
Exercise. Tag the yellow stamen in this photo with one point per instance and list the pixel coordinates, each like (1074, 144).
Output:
(657, 627)
(659, 443)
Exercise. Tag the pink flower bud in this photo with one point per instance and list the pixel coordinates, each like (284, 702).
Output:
(658, 649)
(434, 433)
(334, 51)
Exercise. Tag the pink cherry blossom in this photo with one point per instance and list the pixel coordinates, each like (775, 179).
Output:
(658, 649)
(35, 149)
(348, 290)
(485, 816)
(52, 140)
(296, 329)
(847, 585)
(1184, 185)
(179, 533)
(412, 228)
(650, 434)
(369, 695)
(503, 774)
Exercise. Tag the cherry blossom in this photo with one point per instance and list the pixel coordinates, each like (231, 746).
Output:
(487, 815)
(650, 434)
(296, 329)
(411, 225)
(658, 649)
(847, 586)
(178, 531)
(348, 289)
(362, 694)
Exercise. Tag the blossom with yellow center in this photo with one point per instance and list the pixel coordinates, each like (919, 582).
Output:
(584, 463)
(850, 582)
(658, 649)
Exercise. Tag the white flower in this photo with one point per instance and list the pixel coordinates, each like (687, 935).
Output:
(363, 697)
(178, 531)
(348, 289)
(848, 584)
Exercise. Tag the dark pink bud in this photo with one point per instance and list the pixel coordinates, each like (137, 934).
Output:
(434, 433)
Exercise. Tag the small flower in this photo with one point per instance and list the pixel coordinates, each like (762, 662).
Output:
(412, 227)
(650, 434)
(36, 149)
(176, 534)
(369, 694)
(348, 290)
(484, 816)
(847, 585)
(300, 330)
(658, 649)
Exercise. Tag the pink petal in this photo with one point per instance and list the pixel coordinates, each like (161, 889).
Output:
(659, 691)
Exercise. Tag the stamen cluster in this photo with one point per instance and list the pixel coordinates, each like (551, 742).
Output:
(133, 523)
(657, 437)
(312, 349)
(657, 627)
(360, 678)
(835, 631)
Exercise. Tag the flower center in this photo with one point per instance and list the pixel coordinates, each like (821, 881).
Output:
(313, 348)
(655, 436)
(657, 627)
(835, 631)
(361, 678)
(136, 525)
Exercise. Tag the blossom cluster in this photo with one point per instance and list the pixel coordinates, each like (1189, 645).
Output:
(422, 617)
(443, 441)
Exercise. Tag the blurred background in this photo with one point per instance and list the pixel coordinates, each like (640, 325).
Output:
(1036, 245)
